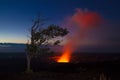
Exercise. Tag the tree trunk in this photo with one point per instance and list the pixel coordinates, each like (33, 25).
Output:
(28, 70)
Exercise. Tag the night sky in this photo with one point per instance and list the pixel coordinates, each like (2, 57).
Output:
(16, 17)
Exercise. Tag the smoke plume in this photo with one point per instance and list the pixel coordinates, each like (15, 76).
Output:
(79, 24)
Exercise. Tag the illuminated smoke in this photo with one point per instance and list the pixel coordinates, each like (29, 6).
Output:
(79, 24)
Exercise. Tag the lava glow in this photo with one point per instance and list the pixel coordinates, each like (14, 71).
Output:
(65, 57)
(82, 22)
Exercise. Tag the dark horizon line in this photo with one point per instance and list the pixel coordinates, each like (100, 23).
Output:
(11, 43)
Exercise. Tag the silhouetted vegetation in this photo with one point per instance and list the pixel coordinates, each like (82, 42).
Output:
(41, 38)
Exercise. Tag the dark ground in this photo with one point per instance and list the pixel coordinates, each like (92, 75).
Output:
(87, 67)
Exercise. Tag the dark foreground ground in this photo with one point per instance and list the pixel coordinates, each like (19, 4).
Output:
(13, 68)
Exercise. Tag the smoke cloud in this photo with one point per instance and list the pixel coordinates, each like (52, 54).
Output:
(86, 19)
(80, 24)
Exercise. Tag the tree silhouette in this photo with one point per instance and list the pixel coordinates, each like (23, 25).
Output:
(40, 39)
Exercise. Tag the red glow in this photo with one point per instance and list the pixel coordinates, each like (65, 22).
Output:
(81, 21)
(86, 19)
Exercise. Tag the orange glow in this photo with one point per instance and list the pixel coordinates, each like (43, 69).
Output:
(65, 57)
(81, 23)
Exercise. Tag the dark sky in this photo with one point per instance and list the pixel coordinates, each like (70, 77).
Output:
(16, 17)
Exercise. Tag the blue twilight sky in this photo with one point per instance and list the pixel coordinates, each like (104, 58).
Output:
(16, 16)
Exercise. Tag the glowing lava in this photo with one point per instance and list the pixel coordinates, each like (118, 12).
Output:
(65, 57)
(81, 23)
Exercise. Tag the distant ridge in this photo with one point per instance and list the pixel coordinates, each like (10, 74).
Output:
(11, 44)
(12, 47)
